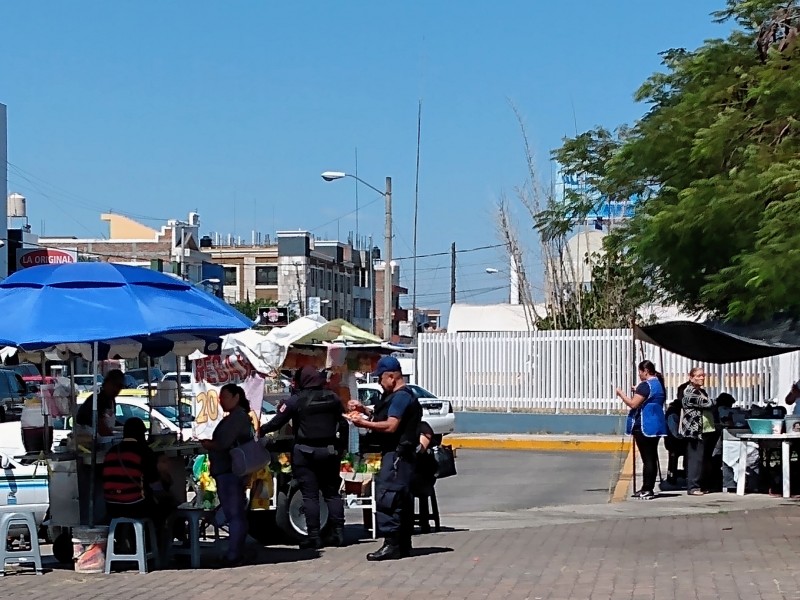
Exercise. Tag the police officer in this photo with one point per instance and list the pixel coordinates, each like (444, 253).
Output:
(395, 424)
(316, 415)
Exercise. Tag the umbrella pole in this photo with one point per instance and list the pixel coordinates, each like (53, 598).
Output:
(150, 393)
(93, 462)
(180, 394)
(45, 410)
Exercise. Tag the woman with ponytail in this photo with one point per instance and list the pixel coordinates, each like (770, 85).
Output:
(646, 423)
(234, 429)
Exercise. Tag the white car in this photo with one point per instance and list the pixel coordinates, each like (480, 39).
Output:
(435, 412)
(186, 380)
(23, 487)
(165, 418)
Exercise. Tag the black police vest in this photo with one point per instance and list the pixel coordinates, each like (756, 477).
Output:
(406, 437)
(318, 416)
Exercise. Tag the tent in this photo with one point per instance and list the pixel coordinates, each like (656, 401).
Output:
(715, 342)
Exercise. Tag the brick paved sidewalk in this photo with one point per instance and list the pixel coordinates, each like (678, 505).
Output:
(753, 554)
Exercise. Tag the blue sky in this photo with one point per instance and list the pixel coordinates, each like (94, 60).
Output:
(234, 109)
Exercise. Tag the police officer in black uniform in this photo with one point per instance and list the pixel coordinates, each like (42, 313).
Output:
(395, 425)
(316, 415)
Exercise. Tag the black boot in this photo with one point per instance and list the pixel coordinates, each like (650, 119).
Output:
(335, 537)
(312, 542)
(405, 548)
(389, 551)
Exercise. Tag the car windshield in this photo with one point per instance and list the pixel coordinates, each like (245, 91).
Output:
(170, 412)
(140, 375)
(185, 377)
(420, 392)
(88, 379)
(26, 370)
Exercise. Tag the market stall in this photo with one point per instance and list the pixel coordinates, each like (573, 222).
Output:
(337, 346)
(101, 311)
(746, 432)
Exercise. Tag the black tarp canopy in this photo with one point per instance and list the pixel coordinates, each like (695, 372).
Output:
(721, 343)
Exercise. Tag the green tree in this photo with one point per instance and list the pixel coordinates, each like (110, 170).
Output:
(715, 163)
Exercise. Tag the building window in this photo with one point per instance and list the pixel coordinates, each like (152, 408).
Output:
(231, 276)
(267, 275)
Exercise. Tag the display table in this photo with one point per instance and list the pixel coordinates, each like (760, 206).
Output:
(783, 438)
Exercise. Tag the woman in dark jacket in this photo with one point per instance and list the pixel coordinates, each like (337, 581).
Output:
(234, 429)
(697, 422)
(646, 423)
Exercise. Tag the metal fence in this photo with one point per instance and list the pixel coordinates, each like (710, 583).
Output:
(568, 372)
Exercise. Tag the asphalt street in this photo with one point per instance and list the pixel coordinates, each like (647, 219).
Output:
(516, 480)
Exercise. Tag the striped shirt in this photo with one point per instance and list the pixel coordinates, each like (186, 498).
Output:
(127, 470)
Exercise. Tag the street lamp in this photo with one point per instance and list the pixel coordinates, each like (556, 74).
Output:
(387, 250)
(492, 271)
(210, 281)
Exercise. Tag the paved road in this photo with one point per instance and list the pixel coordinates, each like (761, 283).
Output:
(513, 480)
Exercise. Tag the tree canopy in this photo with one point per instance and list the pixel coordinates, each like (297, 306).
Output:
(715, 166)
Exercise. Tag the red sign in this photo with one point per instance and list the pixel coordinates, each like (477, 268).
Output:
(46, 256)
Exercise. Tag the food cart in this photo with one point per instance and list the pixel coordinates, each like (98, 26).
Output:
(101, 311)
(343, 350)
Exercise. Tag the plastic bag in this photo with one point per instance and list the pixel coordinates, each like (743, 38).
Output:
(445, 460)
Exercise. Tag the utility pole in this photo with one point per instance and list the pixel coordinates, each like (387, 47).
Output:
(372, 311)
(453, 274)
(388, 282)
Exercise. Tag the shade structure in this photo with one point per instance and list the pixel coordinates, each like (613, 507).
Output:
(706, 342)
(115, 305)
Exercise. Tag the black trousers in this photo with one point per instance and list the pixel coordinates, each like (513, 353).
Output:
(695, 459)
(395, 516)
(648, 450)
(317, 470)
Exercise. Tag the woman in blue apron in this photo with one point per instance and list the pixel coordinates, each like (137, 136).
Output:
(646, 423)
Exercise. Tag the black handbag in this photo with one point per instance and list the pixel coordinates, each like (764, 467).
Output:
(445, 461)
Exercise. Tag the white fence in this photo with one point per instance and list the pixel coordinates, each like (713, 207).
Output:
(573, 371)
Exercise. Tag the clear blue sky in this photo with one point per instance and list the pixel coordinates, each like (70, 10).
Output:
(233, 109)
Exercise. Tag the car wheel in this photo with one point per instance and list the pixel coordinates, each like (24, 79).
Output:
(290, 515)
(62, 547)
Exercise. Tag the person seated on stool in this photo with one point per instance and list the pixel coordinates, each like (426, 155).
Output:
(424, 475)
(130, 475)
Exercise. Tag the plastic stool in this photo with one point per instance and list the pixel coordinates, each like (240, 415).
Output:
(19, 557)
(141, 555)
(426, 515)
(193, 517)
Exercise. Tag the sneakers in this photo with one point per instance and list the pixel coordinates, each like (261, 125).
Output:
(644, 495)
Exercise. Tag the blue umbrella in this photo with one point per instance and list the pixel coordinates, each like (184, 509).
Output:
(108, 304)
(91, 302)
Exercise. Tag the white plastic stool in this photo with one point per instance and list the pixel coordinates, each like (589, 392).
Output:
(193, 517)
(140, 555)
(19, 557)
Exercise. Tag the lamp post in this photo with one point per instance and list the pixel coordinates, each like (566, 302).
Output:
(388, 284)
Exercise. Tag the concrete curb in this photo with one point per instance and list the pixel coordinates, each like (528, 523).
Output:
(544, 445)
(625, 477)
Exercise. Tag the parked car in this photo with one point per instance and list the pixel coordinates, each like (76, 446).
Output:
(23, 484)
(168, 419)
(186, 379)
(30, 374)
(85, 383)
(13, 392)
(435, 412)
(139, 376)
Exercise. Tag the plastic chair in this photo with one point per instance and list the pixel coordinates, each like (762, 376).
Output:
(140, 554)
(198, 521)
(19, 557)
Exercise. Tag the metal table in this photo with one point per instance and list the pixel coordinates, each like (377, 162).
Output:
(783, 438)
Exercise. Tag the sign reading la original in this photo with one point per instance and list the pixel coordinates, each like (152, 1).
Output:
(45, 256)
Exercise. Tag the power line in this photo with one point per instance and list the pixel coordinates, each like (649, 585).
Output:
(448, 252)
